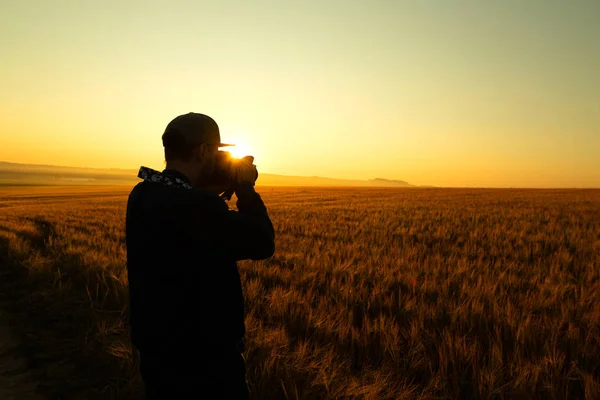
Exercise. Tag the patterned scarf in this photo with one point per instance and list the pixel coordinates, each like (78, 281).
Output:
(152, 175)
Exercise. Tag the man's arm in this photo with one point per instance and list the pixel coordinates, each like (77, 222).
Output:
(244, 234)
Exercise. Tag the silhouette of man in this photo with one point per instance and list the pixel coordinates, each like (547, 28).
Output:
(186, 302)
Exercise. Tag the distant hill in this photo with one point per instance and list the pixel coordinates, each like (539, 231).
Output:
(286, 180)
(388, 182)
(36, 174)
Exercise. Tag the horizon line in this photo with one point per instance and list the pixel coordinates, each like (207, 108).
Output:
(410, 185)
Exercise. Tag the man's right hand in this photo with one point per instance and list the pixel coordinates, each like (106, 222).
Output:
(246, 171)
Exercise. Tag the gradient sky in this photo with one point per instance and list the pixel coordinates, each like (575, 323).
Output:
(449, 93)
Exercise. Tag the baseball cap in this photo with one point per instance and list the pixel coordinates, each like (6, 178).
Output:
(195, 128)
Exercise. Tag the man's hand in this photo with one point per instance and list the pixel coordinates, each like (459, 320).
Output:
(246, 171)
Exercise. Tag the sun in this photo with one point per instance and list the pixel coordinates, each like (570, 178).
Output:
(239, 150)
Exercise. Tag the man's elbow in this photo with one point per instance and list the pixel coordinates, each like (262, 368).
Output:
(264, 250)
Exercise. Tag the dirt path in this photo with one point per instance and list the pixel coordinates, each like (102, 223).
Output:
(16, 382)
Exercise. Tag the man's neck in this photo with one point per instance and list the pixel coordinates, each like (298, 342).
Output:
(188, 172)
(182, 169)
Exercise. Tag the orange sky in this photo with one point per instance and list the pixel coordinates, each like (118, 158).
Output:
(496, 94)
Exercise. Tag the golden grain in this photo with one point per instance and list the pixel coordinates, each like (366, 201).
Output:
(372, 293)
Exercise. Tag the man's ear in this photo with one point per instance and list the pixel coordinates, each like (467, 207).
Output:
(200, 152)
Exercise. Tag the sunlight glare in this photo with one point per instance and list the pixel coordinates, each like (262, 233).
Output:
(239, 150)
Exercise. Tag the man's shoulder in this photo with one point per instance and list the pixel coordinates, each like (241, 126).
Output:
(163, 194)
(135, 192)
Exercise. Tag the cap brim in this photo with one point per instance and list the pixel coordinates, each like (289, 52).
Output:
(225, 144)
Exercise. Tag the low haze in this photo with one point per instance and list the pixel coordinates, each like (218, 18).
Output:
(494, 93)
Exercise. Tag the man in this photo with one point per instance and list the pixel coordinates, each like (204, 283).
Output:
(186, 303)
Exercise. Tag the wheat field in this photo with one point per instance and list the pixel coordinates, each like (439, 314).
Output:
(371, 294)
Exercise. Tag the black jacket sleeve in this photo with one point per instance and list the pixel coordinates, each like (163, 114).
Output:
(244, 234)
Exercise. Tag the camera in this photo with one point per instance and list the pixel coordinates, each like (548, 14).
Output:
(225, 172)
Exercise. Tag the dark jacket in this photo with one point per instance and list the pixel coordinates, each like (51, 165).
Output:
(182, 247)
